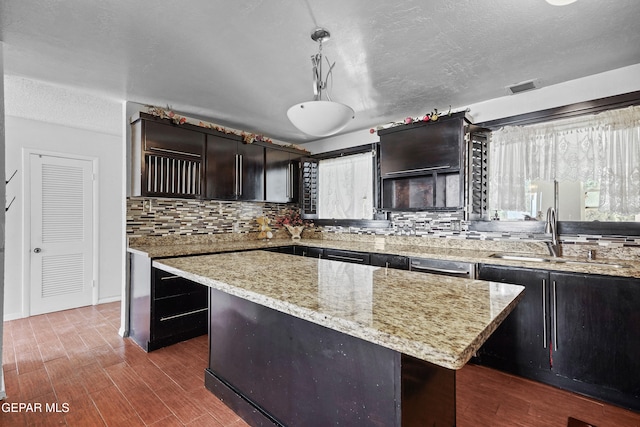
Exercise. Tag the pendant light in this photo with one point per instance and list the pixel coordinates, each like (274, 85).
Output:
(320, 117)
(560, 2)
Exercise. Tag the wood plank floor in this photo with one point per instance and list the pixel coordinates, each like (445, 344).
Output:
(76, 359)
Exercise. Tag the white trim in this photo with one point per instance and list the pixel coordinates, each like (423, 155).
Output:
(110, 299)
(8, 317)
(26, 225)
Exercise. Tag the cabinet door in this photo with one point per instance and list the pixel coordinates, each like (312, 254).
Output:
(172, 161)
(521, 343)
(422, 147)
(221, 168)
(596, 335)
(392, 261)
(173, 140)
(309, 251)
(251, 174)
(280, 176)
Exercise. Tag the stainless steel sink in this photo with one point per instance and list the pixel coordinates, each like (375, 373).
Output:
(598, 263)
(535, 258)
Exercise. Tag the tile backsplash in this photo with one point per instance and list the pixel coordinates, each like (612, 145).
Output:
(165, 216)
(149, 217)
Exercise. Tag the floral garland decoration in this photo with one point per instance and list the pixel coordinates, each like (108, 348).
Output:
(248, 138)
(291, 217)
(429, 117)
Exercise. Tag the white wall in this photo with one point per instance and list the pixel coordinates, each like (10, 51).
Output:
(615, 82)
(44, 117)
(2, 216)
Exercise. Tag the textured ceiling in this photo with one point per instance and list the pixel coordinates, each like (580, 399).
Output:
(244, 63)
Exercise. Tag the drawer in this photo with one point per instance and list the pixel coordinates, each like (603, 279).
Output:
(168, 285)
(392, 261)
(172, 326)
(178, 305)
(347, 256)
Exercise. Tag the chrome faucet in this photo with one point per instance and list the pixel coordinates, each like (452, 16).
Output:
(552, 227)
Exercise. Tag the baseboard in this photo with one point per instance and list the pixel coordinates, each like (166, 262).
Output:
(13, 316)
(110, 299)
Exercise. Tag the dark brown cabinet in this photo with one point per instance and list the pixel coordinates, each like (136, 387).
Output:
(165, 309)
(347, 256)
(178, 309)
(521, 344)
(168, 159)
(422, 147)
(596, 336)
(188, 161)
(281, 175)
(235, 170)
(309, 251)
(574, 331)
(390, 261)
(422, 165)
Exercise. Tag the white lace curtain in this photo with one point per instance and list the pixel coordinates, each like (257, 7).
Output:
(345, 187)
(604, 148)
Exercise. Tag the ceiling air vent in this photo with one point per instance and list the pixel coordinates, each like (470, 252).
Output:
(523, 87)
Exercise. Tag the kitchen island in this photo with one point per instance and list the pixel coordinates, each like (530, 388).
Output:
(303, 341)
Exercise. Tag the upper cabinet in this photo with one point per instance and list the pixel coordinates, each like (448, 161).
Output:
(168, 161)
(188, 161)
(423, 165)
(235, 170)
(422, 147)
(281, 175)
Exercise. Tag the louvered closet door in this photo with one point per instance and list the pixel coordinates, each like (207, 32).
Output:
(61, 233)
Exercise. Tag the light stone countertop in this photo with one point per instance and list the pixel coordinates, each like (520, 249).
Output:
(439, 319)
(480, 253)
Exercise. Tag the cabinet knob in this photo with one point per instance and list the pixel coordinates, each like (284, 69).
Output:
(37, 250)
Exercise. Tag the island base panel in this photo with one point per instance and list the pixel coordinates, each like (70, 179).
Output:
(273, 368)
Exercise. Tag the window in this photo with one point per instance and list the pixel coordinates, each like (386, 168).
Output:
(345, 187)
(595, 161)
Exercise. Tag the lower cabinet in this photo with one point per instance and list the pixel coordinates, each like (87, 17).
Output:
(390, 261)
(521, 344)
(178, 309)
(574, 331)
(289, 249)
(164, 309)
(347, 256)
(309, 251)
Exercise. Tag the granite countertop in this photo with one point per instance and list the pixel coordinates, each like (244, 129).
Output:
(439, 319)
(482, 254)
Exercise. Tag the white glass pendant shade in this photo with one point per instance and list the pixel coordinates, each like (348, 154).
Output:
(560, 2)
(320, 118)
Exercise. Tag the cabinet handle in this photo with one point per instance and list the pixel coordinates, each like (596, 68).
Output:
(235, 176)
(544, 313)
(440, 270)
(555, 316)
(169, 277)
(289, 180)
(346, 258)
(433, 168)
(241, 167)
(162, 319)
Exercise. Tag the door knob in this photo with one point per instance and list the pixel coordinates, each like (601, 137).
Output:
(37, 250)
